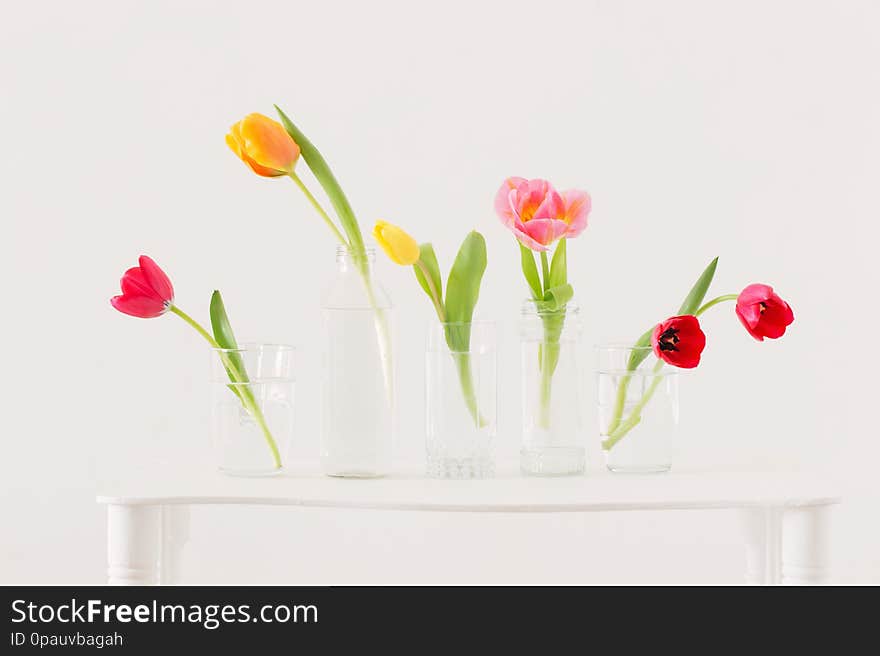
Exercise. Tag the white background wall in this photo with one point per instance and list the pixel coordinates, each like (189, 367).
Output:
(747, 130)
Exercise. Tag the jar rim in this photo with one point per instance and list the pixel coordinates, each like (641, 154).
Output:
(475, 322)
(342, 249)
(622, 346)
(256, 346)
(531, 305)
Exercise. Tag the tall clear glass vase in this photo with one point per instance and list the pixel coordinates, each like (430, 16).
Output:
(553, 441)
(358, 385)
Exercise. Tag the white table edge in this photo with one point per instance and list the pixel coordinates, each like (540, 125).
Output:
(464, 508)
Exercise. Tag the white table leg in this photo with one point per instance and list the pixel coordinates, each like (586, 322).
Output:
(175, 532)
(763, 527)
(806, 545)
(134, 534)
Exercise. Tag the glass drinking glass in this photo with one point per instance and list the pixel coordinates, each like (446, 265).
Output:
(252, 422)
(358, 383)
(553, 441)
(638, 409)
(461, 400)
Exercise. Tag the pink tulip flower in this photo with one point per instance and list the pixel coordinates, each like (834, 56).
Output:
(538, 215)
(146, 291)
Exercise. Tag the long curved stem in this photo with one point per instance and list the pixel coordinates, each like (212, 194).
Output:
(435, 295)
(308, 194)
(244, 393)
(635, 416)
(382, 330)
(715, 301)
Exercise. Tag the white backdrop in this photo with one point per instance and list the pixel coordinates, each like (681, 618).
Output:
(746, 130)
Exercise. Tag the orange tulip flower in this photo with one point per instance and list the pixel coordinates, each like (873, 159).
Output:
(264, 145)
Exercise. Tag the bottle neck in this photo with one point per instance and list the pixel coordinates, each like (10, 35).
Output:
(347, 260)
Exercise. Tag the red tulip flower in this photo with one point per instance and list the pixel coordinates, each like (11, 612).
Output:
(762, 312)
(679, 341)
(146, 291)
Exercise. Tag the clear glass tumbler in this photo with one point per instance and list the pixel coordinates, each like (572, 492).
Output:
(461, 400)
(252, 422)
(358, 382)
(638, 409)
(553, 441)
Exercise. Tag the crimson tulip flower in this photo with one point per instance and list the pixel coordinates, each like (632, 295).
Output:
(762, 312)
(146, 291)
(679, 341)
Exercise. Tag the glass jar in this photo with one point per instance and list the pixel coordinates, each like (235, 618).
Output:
(461, 400)
(553, 442)
(638, 409)
(358, 381)
(252, 421)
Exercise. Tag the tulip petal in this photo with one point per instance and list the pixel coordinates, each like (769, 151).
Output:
(134, 283)
(551, 206)
(545, 231)
(577, 209)
(266, 142)
(156, 278)
(748, 322)
(235, 146)
(526, 240)
(776, 318)
(144, 307)
(755, 293)
(504, 199)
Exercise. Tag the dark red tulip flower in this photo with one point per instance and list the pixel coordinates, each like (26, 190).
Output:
(763, 312)
(146, 291)
(679, 341)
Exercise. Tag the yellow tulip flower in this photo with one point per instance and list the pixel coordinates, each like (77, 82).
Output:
(397, 244)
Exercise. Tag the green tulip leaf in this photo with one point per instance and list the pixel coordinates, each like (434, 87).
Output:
(690, 305)
(556, 298)
(463, 289)
(530, 271)
(224, 336)
(559, 266)
(428, 258)
(327, 180)
(698, 292)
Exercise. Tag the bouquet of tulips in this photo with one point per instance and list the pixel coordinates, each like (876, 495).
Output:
(462, 291)
(271, 149)
(679, 341)
(539, 217)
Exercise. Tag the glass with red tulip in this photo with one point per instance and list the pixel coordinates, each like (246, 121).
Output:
(238, 429)
(647, 415)
(638, 385)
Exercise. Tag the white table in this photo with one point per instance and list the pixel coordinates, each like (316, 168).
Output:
(785, 515)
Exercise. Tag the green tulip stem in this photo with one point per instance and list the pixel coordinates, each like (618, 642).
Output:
(308, 194)
(715, 301)
(435, 295)
(244, 393)
(383, 331)
(545, 271)
(635, 416)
